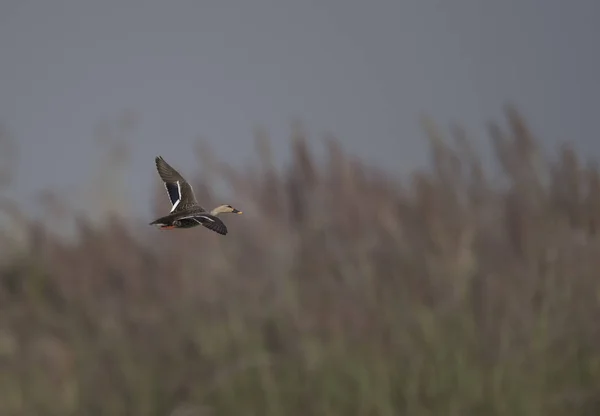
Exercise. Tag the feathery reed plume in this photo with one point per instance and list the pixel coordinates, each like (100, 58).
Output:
(360, 293)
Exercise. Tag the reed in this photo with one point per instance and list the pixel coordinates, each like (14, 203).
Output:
(454, 293)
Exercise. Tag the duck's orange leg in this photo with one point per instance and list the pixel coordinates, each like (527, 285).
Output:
(167, 227)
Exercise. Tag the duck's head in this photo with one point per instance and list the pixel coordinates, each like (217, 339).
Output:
(223, 209)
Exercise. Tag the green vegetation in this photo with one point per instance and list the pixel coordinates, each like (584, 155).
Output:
(453, 294)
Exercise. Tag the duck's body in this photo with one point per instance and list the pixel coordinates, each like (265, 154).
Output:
(190, 218)
(185, 211)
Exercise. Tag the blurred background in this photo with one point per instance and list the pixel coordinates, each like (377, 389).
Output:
(420, 194)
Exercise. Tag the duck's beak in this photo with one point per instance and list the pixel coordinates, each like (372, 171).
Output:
(235, 211)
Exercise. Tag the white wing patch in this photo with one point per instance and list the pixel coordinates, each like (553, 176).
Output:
(195, 218)
(178, 199)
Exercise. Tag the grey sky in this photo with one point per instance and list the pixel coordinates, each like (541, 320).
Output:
(216, 69)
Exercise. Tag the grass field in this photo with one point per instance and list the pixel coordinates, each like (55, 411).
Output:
(454, 291)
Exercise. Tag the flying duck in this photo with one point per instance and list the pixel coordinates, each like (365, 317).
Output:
(185, 211)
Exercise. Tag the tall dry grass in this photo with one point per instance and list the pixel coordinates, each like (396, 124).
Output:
(341, 291)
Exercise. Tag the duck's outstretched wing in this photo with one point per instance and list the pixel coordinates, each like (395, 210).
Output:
(209, 221)
(179, 190)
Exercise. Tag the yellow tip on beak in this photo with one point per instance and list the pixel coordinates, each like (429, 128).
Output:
(240, 212)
